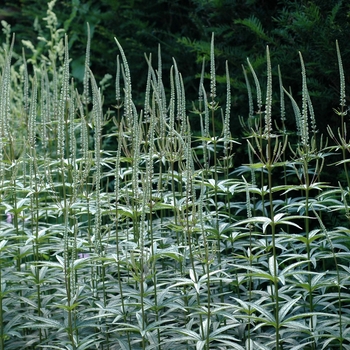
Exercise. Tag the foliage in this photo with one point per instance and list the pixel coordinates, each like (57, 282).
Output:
(242, 29)
(121, 228)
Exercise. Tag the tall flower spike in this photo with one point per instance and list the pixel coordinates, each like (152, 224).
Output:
(312, 114)
(212, 69)
(128, 112)
(250, 96)
(97, 115)
(158, 97)
(282, 104)
(304, 128)
(32, 116)
(45, 107)
(85, 147)
(342, 77)
(227, 112)
(206, 114)
(160, 87)
(86, 95)
(201, 82)
(183, 98)
(248, 205)
(172, 103)
(161, 100)
(296, 110)
(189, 170)
(25, 86)
(252, 172)
(32, 132)
(54, 116)
(117, 83)
(5, 92)
(268, 108)
(73, 141)
(180, 116)
(205, 130)
(71, 115)
(257, 86)
(63, 102)
(148, 90)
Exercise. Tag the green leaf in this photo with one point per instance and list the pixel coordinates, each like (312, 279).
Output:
(286, 308)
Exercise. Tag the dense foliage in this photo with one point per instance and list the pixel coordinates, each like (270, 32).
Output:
(136, 224)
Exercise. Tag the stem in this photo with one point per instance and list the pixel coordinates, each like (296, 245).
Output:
(343, 136)
(307, 232)
(2, 335)
(274, 253)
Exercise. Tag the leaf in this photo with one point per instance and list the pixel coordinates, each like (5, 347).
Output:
(3, 244)
(200, 344)
(255, 220)
(272, 266)
(286, 308)
(256, 272)
(214, 334)
(60, 260)
(191, 334)
(268, 319)
(43, 322)
(86, 343)
(255, 26)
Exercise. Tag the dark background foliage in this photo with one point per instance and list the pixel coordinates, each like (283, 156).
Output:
(242, 29)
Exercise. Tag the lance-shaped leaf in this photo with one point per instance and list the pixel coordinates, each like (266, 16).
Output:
(277, 220)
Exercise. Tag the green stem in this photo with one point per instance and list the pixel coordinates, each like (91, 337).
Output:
(307, 233)
(345, 163)
(274, 253)
(2, 335)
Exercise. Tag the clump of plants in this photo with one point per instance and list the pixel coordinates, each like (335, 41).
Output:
(121, 228)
